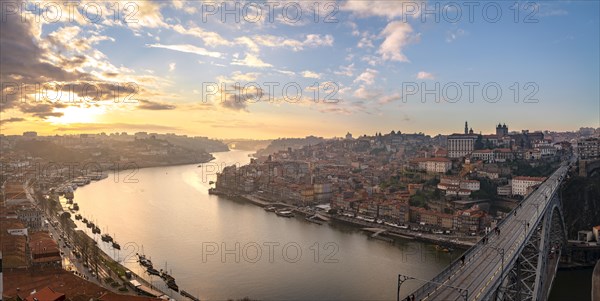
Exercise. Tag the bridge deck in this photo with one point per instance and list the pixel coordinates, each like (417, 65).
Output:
(484, 263)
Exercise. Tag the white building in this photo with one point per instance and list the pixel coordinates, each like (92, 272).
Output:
(461, 145)
(521, 183)
(437, 164)
(486, 155)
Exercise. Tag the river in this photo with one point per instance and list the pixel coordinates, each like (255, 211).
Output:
(219, 249)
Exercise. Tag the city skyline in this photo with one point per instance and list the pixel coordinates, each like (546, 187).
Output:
(542, 59)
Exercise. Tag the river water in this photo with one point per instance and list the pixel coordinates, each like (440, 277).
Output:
(221, 249)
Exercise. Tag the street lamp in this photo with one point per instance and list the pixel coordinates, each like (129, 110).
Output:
(463, 292)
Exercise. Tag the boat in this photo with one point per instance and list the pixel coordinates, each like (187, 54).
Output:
(172, 285)
(96, 230)
(270, 209)
(144, 261)
(106, 238)
(77, 216)
(91, 225)
(75, 207)
(188, 295)
(152, 271)
(211, 182)
(85, 221)
(284, 213)
(116, 245)
(312, 220)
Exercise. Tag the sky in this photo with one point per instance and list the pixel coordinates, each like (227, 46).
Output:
(255, 69)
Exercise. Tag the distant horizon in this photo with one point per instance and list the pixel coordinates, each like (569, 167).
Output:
(354, 135)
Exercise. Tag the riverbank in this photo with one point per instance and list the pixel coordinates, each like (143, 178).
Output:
(87, 260)
(389, 230)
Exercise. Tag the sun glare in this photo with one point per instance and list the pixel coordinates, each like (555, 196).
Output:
(74, 114)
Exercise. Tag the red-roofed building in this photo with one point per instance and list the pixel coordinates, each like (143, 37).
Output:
(44, 249)
(45, 294)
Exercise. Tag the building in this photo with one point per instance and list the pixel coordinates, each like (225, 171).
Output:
(30, 216)
(437, 164)
(505, 190)
(432, 218)
(461, 145)
(45, 294)
(589, 148)
(471, 220)
(487, 155)
(43, 249)
(458, 187)
(520, 184)
(501, 130)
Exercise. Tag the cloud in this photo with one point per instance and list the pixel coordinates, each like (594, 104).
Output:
(42, 110)
(397, 35)
(187, 48)
(172, 67)
(155, 106)
(425, 75)
(286, 72)
(315, 40)
(390, 98)
(147, 14)
(367, 77)
(10, 120)
(363, 93)
(452, 35)
(211, 39)
(271, 41)
(310, 74)
(238, 76)
(388, 9)
(251, 61)
(345, 70)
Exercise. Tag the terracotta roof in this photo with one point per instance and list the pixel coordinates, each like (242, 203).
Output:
(46, 294)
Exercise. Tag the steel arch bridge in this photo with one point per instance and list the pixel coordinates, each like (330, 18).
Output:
(517, 262)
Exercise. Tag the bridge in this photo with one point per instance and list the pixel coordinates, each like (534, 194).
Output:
(518, 261)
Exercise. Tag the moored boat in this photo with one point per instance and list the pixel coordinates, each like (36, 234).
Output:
(106, 238)
(172, 285)
(284, 213)
(153, 271)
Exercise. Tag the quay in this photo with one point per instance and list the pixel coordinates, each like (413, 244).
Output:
(406, 234)
(389, 230)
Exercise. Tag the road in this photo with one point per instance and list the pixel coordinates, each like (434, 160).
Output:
(485, 263)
